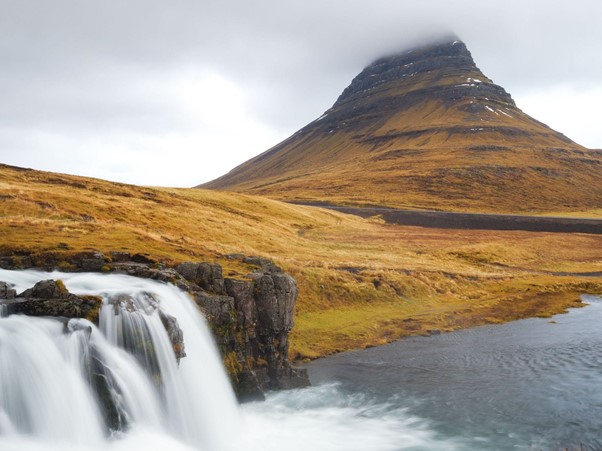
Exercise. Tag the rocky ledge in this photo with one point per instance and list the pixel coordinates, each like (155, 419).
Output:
(251, 317)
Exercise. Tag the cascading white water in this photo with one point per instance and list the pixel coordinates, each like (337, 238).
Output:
(64, 382)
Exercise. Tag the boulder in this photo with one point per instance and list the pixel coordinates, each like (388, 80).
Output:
(6, 291)
(51, 298)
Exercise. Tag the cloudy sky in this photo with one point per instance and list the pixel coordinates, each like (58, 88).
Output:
(177, 92)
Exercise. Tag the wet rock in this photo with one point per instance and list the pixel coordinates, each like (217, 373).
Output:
(175, 334)
(6, 291)
(248, 386)
(94, 262)
(251, 322)
(46, 289)
(145, 271)
(289, 378)
(51, 298)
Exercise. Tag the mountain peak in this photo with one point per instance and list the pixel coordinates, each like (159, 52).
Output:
(448, 57)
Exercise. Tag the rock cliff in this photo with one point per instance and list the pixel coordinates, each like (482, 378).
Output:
(251, 317)
(251, 320)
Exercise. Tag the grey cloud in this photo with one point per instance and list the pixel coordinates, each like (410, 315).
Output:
(84, 68)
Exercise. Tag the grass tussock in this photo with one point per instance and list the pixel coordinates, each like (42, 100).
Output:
(362, 282)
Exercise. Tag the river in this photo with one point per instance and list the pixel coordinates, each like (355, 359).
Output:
(530, 384)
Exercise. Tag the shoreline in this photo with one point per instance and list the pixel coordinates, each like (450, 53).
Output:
(386, 331)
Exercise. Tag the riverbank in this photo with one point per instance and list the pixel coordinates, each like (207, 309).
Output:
(324, 333)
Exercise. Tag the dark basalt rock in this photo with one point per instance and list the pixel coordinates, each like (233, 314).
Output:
(264, 265)
(175, 334)
(275, 296)
(51, 298)
(448, 55)
(207, 276)
(251, 322)
(6, 291)
(94, 262)
(46, 289)
(143, 270)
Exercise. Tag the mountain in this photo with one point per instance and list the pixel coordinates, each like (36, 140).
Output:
(426, 129)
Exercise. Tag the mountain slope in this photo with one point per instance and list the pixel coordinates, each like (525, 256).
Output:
(426, 129)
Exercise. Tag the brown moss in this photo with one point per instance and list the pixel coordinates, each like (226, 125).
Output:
(232, 365)
(65, 266)
(61, 287)
(94, 313)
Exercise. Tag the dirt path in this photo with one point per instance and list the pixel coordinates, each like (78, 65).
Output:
(447, 220)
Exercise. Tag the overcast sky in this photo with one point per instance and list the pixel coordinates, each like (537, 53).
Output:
(177, 92)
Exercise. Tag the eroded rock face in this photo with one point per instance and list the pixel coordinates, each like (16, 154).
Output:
(251, 319)
(252, 322)
(275, 296)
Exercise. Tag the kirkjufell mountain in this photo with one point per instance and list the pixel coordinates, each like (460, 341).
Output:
(426, 129)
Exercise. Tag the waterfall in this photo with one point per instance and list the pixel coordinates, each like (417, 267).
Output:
(67, 383)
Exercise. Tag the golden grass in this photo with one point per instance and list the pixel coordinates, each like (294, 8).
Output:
(361, 282)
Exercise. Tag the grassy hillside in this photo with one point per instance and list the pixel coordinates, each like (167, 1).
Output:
(362, 282)
(427, 130)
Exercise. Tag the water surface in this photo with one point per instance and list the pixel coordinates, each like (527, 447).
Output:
(529, 384)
